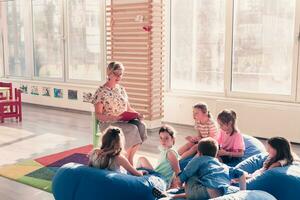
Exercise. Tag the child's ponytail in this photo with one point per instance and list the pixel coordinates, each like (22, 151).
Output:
(208, 114)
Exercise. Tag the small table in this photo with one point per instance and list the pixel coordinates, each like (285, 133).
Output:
(5, 90)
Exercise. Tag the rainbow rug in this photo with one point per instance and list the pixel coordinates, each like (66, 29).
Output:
(39, 172)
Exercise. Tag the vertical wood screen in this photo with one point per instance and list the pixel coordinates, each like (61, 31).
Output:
(135, 37)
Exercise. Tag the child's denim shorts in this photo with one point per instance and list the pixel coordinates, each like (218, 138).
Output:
(195, 190)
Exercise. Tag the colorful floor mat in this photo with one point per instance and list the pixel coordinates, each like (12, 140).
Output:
(39, 172)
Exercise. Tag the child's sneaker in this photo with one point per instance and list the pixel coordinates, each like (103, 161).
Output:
(158, 193)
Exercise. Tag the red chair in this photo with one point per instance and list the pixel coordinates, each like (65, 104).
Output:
(12, 107)
(9, 85)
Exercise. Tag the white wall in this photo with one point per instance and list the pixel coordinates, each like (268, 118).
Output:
(52, 101)
(258, 118)
(63, 102)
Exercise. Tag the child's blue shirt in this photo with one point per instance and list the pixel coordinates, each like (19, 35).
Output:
(210, 172)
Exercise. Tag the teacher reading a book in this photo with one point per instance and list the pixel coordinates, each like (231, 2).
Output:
(112, 108)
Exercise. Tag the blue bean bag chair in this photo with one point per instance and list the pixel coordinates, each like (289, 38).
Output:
(236, 195)
(79, 182)
(247, 195)
(252, 147)
(282, 182)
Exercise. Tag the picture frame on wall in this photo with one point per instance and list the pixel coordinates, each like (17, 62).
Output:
(72, 94)
(87, 97)
(58, 93)
(34, 90)
(24, 88)
(46, 91)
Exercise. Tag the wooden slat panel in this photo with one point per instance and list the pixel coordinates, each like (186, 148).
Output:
(129, 15)
(138, 41)
(140, 106)
(131, 25)
(138, 68)
(142, 101)
(132, 75)
(157, 108)
(130, 54)
(135, 5)
(133, 66)
(142, 34)
(137, 79)
(128, 10)
(141, 52)
(122, 46)
(124, 50)
(139, 95)
(135, 45)
(156, 117)
(135, 90)
(142, 73)
(124, 29)
(143, 81)
(157, 113)
(145, 19)
(138, 61)
(135, 85)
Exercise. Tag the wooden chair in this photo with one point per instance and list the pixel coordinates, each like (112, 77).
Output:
(12, 107)
(9, 85)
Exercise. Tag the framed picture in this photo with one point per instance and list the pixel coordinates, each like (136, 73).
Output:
(24, 88)
(58, 93)
(34, 90)
(87, 97)
(72, 94)
(46, 91)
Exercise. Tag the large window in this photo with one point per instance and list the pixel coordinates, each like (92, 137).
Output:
(84, 39)
(13, 16)
(48, 38)
(258, 36)
(197, 44)
(53, 39)
(263, 43)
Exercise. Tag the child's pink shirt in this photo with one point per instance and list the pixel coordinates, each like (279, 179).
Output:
(232, 143)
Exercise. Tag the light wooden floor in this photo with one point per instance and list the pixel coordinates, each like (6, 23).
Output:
(45, 131)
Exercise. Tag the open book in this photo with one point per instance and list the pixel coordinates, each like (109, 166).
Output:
(127, 116)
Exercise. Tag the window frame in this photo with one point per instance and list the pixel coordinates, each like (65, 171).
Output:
(102, 57)
(62, 38)
(3, 26)
(4, 40)
(228, 93)
(169, 69)
(265, 96)
(29, 45)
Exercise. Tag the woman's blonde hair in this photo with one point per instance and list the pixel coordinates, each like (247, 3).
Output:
(114, 66)
(112, 145)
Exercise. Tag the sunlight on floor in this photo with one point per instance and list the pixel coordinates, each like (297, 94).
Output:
(16, 144)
